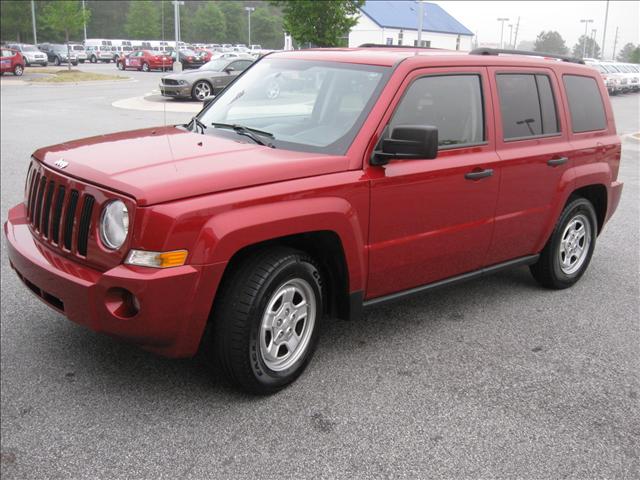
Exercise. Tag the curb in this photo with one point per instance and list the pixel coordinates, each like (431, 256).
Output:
(147, 105)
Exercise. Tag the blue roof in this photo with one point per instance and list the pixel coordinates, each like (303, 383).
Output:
(404, 14)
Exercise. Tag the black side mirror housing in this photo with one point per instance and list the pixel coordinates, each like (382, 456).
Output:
(407, 142)
(228, 70)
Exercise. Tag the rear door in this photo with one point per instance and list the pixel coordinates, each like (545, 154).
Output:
(535, 158)
(433, 219)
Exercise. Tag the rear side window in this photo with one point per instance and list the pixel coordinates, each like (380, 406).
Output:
(585, 103)
(527, 106)
(452, 103)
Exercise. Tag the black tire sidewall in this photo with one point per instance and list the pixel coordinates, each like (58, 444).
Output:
(294, 268)
(574, 208)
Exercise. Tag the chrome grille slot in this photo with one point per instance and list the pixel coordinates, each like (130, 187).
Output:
(57, 215)
(46, 213)
(70, 217)
(85, 223)
(40, 186)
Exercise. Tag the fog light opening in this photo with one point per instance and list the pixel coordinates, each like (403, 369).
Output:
(122, 303)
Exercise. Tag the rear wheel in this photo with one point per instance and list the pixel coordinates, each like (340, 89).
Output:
(265, 321)
(18, 70)
(201, 90)
(93, 59)
(56, 61)
(568, 251)
(145, 67)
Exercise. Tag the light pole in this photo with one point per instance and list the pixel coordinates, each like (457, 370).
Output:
(33, 21)
(84, 22)
(586, 22)
(177, 66)
(593, 42)
(420, 20)
(502, 20)
(510, 34)
(249, 10)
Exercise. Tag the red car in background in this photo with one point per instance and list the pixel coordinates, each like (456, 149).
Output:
(205, 54)
(11, 61)
(145, 60)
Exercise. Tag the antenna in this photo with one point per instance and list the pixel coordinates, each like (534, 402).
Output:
(164, 104)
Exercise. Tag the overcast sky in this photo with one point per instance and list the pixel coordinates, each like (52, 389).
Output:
(563, 16)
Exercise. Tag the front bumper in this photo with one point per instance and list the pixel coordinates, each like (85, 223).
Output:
(174, 303)
(183, 91)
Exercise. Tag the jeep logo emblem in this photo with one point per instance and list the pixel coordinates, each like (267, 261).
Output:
(61, 163)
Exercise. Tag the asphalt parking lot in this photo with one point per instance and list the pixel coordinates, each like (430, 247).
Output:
(496, 378)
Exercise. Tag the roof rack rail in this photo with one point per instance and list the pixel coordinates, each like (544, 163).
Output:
(383, 45)
(497, 51)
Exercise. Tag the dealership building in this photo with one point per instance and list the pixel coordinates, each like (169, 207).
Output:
(392, 22)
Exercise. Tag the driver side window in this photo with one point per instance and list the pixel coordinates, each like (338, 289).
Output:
(452, 103)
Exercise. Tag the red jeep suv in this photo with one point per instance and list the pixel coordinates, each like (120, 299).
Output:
(375, 173)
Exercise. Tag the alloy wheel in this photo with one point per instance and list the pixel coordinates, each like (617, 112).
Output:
(574, 244)
(202, 90)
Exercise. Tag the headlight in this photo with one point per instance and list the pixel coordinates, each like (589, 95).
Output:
(114, 224)
(182, 82)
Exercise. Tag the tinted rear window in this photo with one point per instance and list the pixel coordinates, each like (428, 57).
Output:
(527, 105)
(585, 103)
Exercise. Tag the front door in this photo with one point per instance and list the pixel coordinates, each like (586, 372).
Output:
(433, 219)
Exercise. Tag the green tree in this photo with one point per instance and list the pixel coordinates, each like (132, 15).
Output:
(550, 42)
(143, 20)
(588, 45)
(635, 55)
(107, 18)
(266, 29)
(235, 20)
(323, 23)
(206, 25)
(625, 54)
(15, 21)
(65, 17)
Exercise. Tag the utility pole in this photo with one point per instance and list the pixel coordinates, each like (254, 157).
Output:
(615, 44)
(84, 22)
(510, 35)
(604, 33)
(177, 66)
(249, 10)
(586, 22)
(502, 20)
(33, 21)
(593, 42)
(515, 37)
(420, 19)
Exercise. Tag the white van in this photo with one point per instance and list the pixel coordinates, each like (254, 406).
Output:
(98, 49)
(121, 47)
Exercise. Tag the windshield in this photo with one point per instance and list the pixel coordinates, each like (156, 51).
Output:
(29, 48)
(215, 65)
(186, 51)
(308, 106)
(77, 47)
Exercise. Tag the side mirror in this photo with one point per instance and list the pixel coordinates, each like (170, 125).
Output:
(208, 100)
(228, 70)
(408, 142)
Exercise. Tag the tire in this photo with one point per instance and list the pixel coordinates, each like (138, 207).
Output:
(93, 59)
(45, 64)
(120, 65)
(56, 61)
(265, 288)
(558, 268)
(201, 90)
(82, 61)
(18, 70)
(145, 67)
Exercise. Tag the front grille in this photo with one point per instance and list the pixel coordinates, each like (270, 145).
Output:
(169, 81)
(52, 209)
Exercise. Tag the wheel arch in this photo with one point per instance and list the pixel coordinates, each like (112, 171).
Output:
(193, 87)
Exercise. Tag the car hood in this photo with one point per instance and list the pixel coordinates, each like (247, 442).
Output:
(157, 165)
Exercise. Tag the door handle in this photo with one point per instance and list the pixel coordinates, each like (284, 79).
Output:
(478, 174)
(556, 162)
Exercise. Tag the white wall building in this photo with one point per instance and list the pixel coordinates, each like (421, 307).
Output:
(391, 22)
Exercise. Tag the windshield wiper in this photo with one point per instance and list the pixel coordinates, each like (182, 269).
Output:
(252, 133)
(195, 121)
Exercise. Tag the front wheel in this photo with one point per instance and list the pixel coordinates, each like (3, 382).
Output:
(18, 70)
(568, 251)
(265, 321)
(201, 90)
(145, 67)
(93, 59)
(56, 61)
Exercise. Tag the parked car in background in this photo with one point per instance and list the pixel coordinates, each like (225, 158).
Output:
(79, 51)
(11, 61)
(188, 58)
(99, 53)
(207, 80)
(145, 60)
(58, 53)
(31, 54)
(612, 84)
